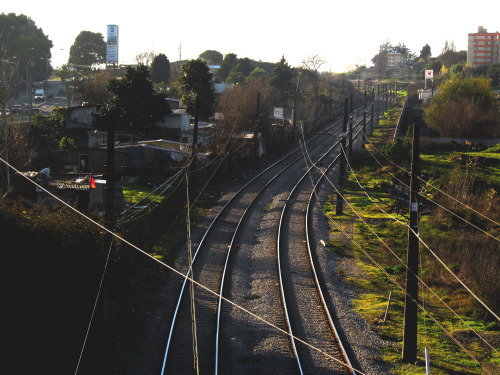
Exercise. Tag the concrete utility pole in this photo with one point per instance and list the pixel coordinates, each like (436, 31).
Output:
(340, 200)
(411, 290)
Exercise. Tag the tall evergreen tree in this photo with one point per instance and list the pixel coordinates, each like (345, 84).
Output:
(160, 69)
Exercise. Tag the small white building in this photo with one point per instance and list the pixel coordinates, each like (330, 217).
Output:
(174, 123)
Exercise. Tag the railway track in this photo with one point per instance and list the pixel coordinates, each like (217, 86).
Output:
(237, 258)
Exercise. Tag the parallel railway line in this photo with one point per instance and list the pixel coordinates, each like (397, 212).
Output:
(222, 263)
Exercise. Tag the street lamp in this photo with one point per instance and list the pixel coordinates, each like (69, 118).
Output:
(28, 87)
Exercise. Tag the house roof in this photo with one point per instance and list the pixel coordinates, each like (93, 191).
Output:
(178, 112)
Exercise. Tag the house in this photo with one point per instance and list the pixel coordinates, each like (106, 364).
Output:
(81, 117)
(154, 155)
(90, 160)
(174, 123)
(71, 188)
(206, 134)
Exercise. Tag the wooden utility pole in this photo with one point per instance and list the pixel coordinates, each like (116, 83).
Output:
(340, 192)
(6, 144)
(194, 150)
(257, 126)
(363, 137)
(411, 290)
(294, 124)
(371, 118)
(110, 284)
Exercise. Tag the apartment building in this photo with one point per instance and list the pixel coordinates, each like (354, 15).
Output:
(483, 47)
(395, 60)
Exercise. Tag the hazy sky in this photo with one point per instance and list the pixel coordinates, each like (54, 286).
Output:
(341, 33)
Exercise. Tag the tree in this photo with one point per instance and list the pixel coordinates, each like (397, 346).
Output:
(93, 87)
(88, 49)
(238, 106)
(449, 56)
(133, 103)
(21, 148)
(144, 58)
(211, 57)
(436, 66)
(312, 64)
(493, 73)
(425, 53)
(21, 41)
(48, 124)
(160, 69)
(282, 76)
(380, 59)
(199, 95)
(463, 107)
(227, 65)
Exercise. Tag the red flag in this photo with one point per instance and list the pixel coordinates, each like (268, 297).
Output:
(92, 182)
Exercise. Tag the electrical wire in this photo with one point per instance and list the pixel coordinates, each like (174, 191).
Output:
(405, 265)
(435, 187)
(327, 355)
(94, 308)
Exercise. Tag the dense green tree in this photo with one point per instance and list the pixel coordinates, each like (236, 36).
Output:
(199, 94)
(89, 48)
(457, 69)
(425, 53)
(227, 65)
(282, 76)
(463, 107)
(436, 66)
(160, 69)
(55, 120)
(21, 41)
(132, 102)
(211, 57)
(235, 77)
(244, 66)
(257, 73)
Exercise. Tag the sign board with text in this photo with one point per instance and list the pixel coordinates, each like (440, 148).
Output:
(112, 45)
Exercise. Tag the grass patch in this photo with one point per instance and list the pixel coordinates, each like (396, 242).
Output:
(140, 194)
(373, 228)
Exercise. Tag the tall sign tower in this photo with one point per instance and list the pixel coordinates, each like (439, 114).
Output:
(112, 45)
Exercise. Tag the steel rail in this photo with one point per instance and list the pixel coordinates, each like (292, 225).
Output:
(320, 290)
(313, 269)
(216, 218)
(278, 247)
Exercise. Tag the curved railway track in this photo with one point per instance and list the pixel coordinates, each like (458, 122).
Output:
(222, 264)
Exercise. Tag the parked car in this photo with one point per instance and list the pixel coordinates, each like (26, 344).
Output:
(36, 111)
(16, 108)
(7, 112)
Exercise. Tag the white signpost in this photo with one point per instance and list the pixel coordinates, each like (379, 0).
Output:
(429, 74)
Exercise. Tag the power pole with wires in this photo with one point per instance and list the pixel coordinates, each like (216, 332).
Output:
(340, 200)
(411, 290)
